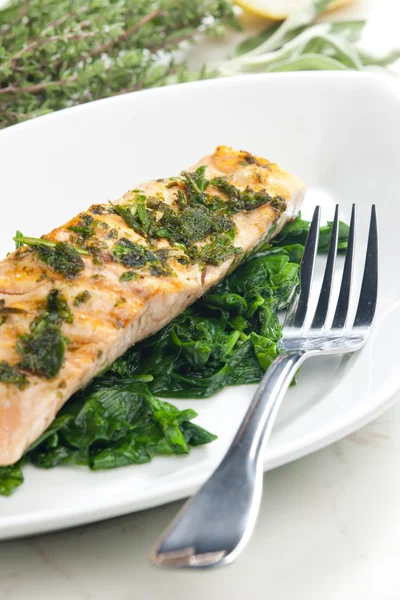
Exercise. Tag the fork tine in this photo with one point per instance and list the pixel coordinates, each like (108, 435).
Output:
(369, 287)
(324, 297)
(307, 269)
(342, 306)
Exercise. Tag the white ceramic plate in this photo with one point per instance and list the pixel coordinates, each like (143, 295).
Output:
(338, 132)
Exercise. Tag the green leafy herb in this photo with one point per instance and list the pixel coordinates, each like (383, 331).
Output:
(216, 252)
(299, 44)
(12, 375)
(138, 217)
(227, 338)
(295, 233)
(299, 18)
(10, 478)
(42, 351)
(84, 231)
(103, 49)
(129, 276)
(194, 224)
(247, 199)
(81, 298)
(60, 257)
(18, 244)
(59, 53)
(195, 184)
(131, 254)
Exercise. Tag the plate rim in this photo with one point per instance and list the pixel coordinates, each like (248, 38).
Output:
(384, 78)
(63, 517)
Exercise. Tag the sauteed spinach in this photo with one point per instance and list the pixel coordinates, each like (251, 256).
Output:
(229, 337)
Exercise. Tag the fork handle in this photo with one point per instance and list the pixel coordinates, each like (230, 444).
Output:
(214, 525)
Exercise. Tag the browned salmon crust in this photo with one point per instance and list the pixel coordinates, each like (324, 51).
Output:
(118, 313)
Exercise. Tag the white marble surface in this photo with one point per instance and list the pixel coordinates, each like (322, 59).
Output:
(329, 526)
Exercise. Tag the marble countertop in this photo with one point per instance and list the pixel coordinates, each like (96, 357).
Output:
(329, 525)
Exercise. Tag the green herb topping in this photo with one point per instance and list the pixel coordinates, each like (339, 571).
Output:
(199, 216)
(42, 351)
(131, 254)
(248, 199)
(60, 257)
(138, 217)
(81, 298)
(9, 374)
(98, 209)
(84, 231)
(128, 276)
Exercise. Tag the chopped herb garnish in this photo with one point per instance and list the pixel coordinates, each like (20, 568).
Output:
(42, 351)
(87, 219)
(84, 231)
(128, 276)
(247, 199)
(193, 224)
(138, 217)
(112, 234)
(195, 183)
(183, 260)
(180, 199)
(82, 297)
(98, 209)
(59, 256)
(57, 307)
(198, 216)
(96, 250)
(217, 251)
(18, 234)
(156, 203)
(132, 255)
(9, 374)
(158, 270)
(226, 188)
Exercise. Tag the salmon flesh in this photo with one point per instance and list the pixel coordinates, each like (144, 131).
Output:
(75, 300)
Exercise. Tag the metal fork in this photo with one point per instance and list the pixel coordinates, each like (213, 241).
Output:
(213, 526)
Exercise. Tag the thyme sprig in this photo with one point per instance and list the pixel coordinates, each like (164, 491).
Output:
(58, 53)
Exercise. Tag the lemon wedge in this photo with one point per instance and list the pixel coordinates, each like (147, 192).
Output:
(278, 9)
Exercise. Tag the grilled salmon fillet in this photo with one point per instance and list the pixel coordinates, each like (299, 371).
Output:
(75, 300)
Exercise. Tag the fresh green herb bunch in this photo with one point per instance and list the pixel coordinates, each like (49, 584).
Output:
(58, 53)
(301, 43)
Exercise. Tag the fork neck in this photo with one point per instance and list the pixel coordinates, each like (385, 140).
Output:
(258, 421)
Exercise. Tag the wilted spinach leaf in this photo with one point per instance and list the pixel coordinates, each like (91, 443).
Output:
(229, 337)
(114, 423)
(10, 478)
